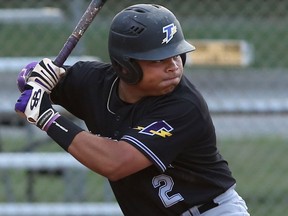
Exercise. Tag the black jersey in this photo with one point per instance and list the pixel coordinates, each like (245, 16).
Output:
(174, 131)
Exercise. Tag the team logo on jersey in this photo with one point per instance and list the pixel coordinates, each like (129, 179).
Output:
(170, 30)
(159, 128)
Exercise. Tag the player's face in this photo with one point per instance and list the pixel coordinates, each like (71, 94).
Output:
(160, 77)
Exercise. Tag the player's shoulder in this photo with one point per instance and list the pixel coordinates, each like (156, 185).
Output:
(187, 90)
(187, 93)
(90, 66)
(90, 70)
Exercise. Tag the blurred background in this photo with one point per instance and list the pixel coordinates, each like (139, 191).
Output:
(240, 66)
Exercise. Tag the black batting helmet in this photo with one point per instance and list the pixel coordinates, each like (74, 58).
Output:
(144, 32)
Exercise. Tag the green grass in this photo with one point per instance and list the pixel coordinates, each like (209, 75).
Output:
(32, 40)
(258, 163)
(50, 187)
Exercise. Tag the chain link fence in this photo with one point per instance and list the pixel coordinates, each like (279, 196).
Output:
(240, 66)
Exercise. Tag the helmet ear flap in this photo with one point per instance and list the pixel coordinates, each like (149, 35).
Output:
(131, 73)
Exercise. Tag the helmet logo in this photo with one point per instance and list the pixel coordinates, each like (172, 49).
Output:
(170, 30)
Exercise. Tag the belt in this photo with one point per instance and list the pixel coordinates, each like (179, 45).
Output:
(200, 209)
(207, 206)
(197, 210)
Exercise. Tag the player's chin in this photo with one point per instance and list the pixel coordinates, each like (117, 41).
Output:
(171, 82)
(169, 85)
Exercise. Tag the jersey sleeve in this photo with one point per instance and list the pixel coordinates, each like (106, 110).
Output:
(170, 129)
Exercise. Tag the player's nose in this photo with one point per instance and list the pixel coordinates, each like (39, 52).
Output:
(172, 64)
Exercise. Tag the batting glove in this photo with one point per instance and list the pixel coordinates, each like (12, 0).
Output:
(45, 73)
(23, 75)
(35, 105)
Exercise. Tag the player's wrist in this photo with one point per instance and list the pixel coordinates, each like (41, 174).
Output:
(63, 131)
(47, 118)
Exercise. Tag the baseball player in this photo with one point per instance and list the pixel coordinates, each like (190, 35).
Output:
(150, 131)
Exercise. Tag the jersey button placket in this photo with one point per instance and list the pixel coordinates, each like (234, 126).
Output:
(116, 132)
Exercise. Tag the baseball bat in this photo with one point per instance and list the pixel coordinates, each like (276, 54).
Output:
(86, 19)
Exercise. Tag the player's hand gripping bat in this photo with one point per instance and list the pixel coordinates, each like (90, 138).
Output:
(86, 19)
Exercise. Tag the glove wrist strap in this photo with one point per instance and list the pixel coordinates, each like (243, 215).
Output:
(63, 131)
(47, 118)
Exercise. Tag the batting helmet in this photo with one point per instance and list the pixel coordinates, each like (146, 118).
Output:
(144, 32)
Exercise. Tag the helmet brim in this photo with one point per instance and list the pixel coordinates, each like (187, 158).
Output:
(167, 51)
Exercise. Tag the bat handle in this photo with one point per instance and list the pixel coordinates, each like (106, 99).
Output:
(66, 50)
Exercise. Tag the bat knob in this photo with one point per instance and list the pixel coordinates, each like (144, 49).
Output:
(24, 74)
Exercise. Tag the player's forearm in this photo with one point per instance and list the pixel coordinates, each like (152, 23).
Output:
(110, 158)
(95, 152)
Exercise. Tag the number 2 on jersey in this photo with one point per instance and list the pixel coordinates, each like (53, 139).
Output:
(165, 188)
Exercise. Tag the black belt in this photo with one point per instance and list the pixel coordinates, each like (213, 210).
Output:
(207, 206)
(201, 209)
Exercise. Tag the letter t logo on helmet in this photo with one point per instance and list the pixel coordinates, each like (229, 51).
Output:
(170, 30)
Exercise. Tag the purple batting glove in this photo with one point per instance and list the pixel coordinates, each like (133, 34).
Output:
(35, 105)
(24, 74)
(22, 102)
